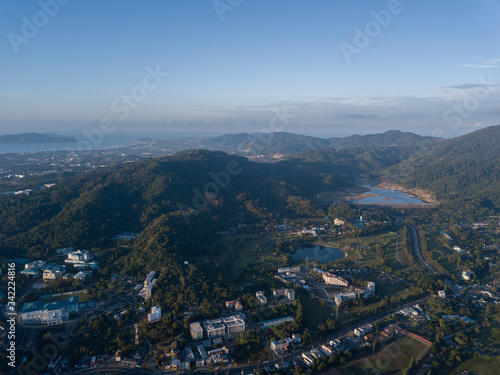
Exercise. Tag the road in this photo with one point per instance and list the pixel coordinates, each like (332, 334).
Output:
(414, 235)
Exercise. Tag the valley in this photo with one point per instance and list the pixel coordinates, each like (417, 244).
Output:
(278, 267)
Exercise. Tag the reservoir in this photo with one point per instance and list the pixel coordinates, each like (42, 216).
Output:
(384, 196)
(322, 254)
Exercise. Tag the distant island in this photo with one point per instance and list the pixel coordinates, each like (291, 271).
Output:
(35, 138)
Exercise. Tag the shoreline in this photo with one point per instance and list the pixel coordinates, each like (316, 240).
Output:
(363, 188)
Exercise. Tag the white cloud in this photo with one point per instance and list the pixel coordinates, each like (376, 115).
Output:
(484, 64)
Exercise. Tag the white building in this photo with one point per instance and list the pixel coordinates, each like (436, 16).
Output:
(363, 330)
(289, 294)
(311, 232)
(338, 222)
(35, 264)
(196, 331)
(79, 256)
(234, 325)
(53, 274)
(331, 279)
(466, 275)
(441, 294)
(81, 259)
(155, 314)
(48, 313)
(261, 298)
(214, 328)
(83, 275)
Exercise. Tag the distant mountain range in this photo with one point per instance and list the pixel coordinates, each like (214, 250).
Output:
(286, 144)
(206, 188)
(35, 138)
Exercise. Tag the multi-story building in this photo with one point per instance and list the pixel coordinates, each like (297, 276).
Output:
(214, 328)
(83, 275)
(228, 326)
(53, 272)
(196, 331)
(234, 325)
(155, 314)
(35, 264)
(331, 279)
(81, 259)
(261, 298)
(48, 313)
(288, 293)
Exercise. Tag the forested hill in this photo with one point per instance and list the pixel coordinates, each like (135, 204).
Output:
(289, 144)
(463, 170)
(198, 191)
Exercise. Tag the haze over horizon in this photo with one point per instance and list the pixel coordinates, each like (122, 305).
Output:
(179, 68)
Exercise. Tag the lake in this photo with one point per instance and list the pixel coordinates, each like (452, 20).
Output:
(323, 254)
(384, 196)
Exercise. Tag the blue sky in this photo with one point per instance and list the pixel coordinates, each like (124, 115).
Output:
(430, 67)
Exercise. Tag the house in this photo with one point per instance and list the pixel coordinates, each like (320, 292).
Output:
(441, 294)
(234, 305)
(279, 345)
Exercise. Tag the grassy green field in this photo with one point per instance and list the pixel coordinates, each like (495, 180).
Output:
(393, 359)
(440, 252)
(475, 366)
(362, 251)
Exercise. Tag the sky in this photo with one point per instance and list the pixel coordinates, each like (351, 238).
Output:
(197, 68)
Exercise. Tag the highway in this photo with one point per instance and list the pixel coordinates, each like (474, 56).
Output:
(414, 235)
